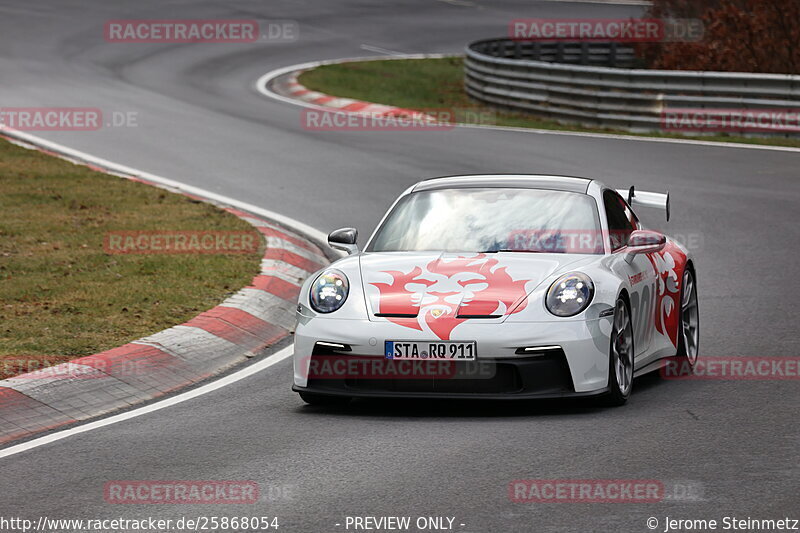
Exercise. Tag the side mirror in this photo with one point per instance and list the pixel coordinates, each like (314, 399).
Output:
(344, 239)
(644, 242)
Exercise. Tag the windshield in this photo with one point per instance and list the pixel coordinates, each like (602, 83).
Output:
(491, 220)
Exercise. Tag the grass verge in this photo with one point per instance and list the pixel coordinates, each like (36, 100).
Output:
(62, 296)
(438, 84)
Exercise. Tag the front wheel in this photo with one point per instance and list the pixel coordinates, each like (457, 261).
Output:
(620, 371)
(689, 334)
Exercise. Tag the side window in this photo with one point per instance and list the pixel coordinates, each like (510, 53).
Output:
(631, 216)
(621, 220)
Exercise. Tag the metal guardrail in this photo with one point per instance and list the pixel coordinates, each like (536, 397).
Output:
(583, 53)
(582, 83)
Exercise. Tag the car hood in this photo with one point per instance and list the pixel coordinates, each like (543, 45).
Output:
(444, 289)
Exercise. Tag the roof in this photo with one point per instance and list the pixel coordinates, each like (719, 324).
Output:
(518, 181)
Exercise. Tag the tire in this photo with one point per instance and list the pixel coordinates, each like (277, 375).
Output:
(689, 324)
(620, 356)
(323, 399)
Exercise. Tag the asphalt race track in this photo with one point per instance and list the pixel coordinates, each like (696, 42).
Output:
(201, 121)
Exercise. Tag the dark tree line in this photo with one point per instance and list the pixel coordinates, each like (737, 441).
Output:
(740, 36)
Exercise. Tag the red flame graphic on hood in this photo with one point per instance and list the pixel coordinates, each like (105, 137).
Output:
(447, 290)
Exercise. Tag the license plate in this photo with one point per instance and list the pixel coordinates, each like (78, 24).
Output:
(455, 350)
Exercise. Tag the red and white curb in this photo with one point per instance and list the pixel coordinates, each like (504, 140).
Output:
(284, 85)
(289, 86)
(253, 319)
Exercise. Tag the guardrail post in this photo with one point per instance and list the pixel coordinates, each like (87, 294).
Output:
(584, 60)
(612, 54)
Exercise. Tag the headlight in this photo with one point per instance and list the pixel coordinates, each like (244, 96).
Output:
(570, 294)
(329, 291)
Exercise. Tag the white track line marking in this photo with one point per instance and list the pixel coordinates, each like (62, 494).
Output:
(262, 86)
(274, 359)
(380, 50)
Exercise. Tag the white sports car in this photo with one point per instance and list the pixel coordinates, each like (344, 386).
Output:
(498, 287)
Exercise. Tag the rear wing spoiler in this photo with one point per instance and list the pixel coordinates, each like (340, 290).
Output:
(646, 199)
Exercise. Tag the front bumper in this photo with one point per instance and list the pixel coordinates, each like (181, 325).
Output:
(546, 376)
(449, 395)
(578, 368)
